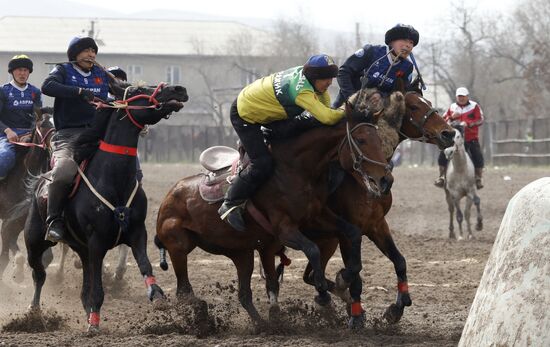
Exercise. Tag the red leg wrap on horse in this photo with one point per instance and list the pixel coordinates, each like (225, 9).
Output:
(403, 287)
(356, 309)
(93, 319)
(150, 281)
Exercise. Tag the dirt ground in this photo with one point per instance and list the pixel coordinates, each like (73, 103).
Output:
(443, 277)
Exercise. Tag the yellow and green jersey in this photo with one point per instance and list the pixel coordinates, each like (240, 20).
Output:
(283, 95)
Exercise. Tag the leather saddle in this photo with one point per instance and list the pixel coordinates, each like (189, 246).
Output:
(222, 164)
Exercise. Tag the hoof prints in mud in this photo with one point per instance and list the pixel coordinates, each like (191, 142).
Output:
(36, 322)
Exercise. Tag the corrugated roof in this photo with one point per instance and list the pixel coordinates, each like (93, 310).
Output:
(130, 36)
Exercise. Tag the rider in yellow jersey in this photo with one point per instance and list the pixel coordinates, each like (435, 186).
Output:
(283, 95)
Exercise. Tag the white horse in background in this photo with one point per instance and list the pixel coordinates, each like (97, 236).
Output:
(460, 182)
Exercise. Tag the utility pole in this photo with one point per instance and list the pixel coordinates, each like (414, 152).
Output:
(357, 36)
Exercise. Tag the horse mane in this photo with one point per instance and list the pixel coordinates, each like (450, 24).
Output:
(390, 120)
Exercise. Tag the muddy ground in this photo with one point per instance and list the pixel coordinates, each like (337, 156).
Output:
(443, 277)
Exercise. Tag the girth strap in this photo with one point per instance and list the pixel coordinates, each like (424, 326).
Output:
(118, 211)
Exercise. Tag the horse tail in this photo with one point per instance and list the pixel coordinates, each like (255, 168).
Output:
(162, 252)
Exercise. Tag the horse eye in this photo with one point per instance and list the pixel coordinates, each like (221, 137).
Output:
(361, 141)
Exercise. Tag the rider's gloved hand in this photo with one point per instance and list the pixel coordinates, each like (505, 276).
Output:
(87, 95)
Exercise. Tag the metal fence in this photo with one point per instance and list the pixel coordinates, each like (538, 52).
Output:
(520, 142)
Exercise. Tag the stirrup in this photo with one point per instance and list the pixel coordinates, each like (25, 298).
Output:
(233, 216)
(55, 234)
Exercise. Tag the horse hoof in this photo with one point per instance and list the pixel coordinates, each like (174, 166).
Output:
(323, 299)
(154, 292)
(479, 226)
(357, 322)
(393, 313)
(34, 309)
(339, 282)
(93, 330)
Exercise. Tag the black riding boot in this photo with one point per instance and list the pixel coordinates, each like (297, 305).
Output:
(232, 208)
(57, 197)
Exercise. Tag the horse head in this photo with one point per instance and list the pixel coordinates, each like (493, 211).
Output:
(148, 105)
(38, 158)
(423, 122)
(360, 153)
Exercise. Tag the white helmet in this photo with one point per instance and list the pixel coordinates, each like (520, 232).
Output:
(462, 91)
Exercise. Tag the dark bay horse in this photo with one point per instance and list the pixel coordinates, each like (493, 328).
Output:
(32, 159)
(420, 122)
(297, 191)
(114, 211)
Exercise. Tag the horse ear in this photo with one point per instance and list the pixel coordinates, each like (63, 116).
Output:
(117, 88)
(415, 85)
(400, 85)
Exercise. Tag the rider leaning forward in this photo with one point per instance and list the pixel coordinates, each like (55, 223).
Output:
(283, 95)
(73, 85)
(18, 102)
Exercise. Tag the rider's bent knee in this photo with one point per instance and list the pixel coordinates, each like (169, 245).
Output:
(64, 171)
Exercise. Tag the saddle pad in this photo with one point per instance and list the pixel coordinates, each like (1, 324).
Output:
(218, 157)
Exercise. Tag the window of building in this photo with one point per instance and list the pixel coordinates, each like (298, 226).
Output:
(134, 73)
(173, 74)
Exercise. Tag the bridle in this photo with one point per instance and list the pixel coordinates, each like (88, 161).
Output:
(357, 154)
(420, 125)
(43, 138)
(124, 103)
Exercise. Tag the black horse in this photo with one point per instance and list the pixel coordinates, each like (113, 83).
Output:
(111, 207)
(32, 159)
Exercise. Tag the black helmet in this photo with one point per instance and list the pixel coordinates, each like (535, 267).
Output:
(78, 44)
(18, 61)
(402, 32)
(118, 72)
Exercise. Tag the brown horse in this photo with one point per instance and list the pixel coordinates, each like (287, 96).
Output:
(420, 122)
(32, 159)
(296, 192)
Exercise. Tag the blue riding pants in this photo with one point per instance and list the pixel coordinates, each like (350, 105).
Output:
(7, 152)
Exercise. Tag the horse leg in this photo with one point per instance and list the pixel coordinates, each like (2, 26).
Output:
(327, 247)
(96, 295)
(244, 262)
(467, 212)
(354, 307)
(382, 238)
(293, 238)
(35, 244)
(10, 232)
(459, 217)
(450, 206)
(61, 271)
(267, 259)
(477, 203)
(139, 250)
(122, 258)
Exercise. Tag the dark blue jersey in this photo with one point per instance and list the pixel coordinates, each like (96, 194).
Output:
(17, 106)
(63, 83)
(376, 63)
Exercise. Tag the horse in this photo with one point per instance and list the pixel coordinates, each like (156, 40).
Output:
(461, 182)
(186, 221)
(110, 208)
(32, 159)
(420, 122)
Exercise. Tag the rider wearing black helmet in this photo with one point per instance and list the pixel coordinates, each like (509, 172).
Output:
(18, 101)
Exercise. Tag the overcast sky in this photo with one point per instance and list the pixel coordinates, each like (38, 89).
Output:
(375, 16)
